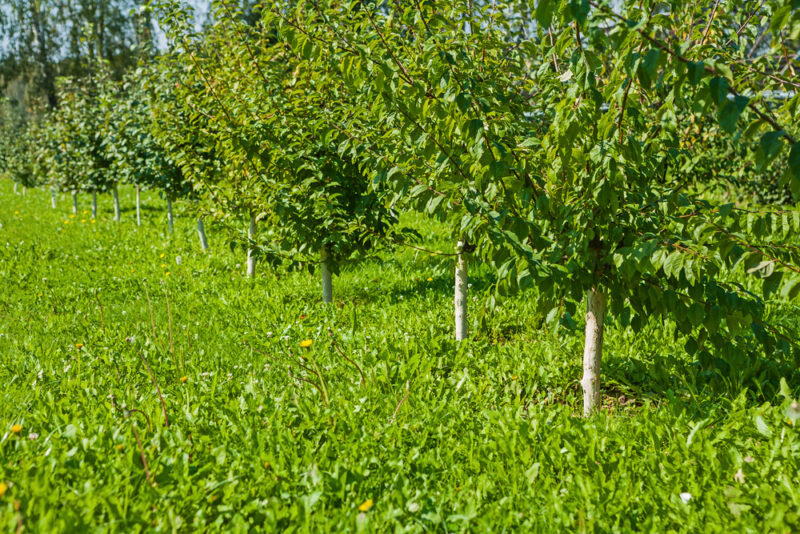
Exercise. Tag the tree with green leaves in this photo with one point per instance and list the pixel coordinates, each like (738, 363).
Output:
(561, 151)
(137, 157)
(317, 205)
(80, 129)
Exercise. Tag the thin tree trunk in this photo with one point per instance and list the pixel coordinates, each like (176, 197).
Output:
(593, 350)
(116, 203)
(94, 204)
(327, 283)
(15, 187)
(251, 256)
(138, 209)
(460, 299)
(74, 203)
(201, 230)
(53, 198)
(24, 190)
(170, 221)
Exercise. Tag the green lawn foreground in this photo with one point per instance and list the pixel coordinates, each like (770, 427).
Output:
(265, 434)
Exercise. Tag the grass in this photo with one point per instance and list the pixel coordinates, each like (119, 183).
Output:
(266, 435)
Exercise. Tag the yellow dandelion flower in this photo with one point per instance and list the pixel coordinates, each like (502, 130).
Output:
(16, 429)
(17, 505)
(83, 220)
(84, 212)
(93, 221)
(66, 222)
(3, 488)
(366, 505)
(133, 270)
(163, 265)
(162, 255)
(120, 446)
(184, 378)
(514, 377)
(430, 279)
(166, 273)
(16, 213)
(306, 343)
(78, 345)
(72, 216)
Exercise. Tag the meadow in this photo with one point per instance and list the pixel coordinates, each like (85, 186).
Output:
(148, 386)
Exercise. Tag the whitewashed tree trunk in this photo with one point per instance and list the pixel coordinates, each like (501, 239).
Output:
(593, 350)
(74, 203)
(53, 198)
(94, 204)
(460, 299)
(24, 190)
(251, 256)
(327, 283)
(138, 208)
(15, 187)
(115, 192)
(170, 220)
(201, 231)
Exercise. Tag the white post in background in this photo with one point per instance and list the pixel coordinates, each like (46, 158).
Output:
(52, 198)
(593, 350)
(138, 210)
(74, 203)
(251, 257)
(201, 230)
(94, 204)
(170, 221)
(116, 203)
(460, 299)
(327, 283)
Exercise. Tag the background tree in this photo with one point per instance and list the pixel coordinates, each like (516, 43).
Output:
(45, 39)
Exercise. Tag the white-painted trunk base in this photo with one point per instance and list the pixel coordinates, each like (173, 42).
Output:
(115, 192)
(138, 208)
(251, 256)
(94, 204)
(53, 198)
(327, 282)
(201, 231)
(75, 203)
(460, 298)
(593, 350)
(15, 187)
(170, 220)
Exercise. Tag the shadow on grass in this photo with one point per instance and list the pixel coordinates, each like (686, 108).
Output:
(703, 382)
(438, 285)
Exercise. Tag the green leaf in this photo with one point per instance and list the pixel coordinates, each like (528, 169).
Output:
(762, 427)
(729, 113)
(780, 18)
(769, 146)
(579, 9)
(648, 68)
(673, 264)
(544, 12)
(719, 90)
(794, 162)
(696, 71)
(791, 288)
(463, 101)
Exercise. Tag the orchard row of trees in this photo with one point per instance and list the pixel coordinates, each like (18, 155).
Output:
(575, 146)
